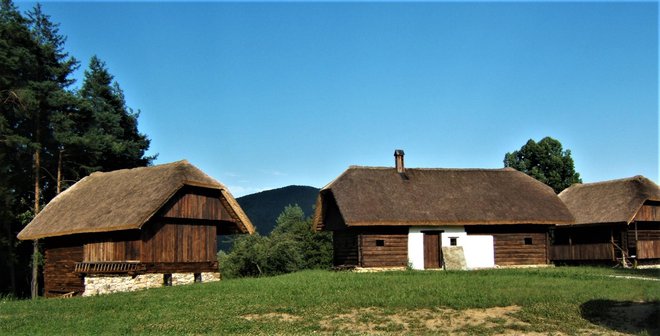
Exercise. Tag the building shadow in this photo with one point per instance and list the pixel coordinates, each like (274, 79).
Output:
(624, 316)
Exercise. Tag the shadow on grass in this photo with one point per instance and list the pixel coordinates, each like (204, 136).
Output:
(624, 316)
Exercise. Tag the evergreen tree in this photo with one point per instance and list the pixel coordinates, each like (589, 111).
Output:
(545, 161)
(109, 135)
(49, 134)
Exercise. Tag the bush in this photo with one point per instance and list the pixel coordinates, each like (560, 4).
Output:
(292, 246)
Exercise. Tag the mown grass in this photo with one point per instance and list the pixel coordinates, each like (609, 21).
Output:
(551, 300)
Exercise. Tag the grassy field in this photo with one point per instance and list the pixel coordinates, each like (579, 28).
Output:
(508, 301)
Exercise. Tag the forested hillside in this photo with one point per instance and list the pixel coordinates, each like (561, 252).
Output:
(263, 208)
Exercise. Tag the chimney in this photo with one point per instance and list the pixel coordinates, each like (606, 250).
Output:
(398, 161)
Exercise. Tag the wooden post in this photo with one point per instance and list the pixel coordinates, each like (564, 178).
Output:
(612, 243)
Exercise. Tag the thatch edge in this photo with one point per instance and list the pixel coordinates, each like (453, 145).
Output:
(58, 198)
(238, 211)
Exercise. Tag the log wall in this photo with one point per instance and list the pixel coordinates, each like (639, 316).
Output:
(345, 248)
(60, 259)
(510, 243)
(392, 253)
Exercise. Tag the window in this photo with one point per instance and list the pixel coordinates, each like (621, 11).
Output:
(198, 277)
(453, 241)
(167, 279)
(528, 241)
(380, 242)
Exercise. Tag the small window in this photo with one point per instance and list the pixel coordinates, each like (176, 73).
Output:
(380, 242)
(528, 241)
(167, 279)
(198, 277)
(453, 241)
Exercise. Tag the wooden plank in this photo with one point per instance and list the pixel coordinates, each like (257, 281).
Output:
(648, 249)
(650, 213)
(60, 257)
(196, 203)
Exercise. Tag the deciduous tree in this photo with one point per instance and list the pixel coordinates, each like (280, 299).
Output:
(545, 161)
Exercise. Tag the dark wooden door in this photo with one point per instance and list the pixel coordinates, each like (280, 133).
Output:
(432, 250)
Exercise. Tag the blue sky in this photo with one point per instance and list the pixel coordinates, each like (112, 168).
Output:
(264, 95)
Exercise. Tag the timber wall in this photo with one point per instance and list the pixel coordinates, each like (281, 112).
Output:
(392, 253)
(61, 255)
(512, 243)
(177, 242)
(345, 248)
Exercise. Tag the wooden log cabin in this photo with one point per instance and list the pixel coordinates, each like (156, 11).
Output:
(616, 221)
(385, 217)
(135, 228)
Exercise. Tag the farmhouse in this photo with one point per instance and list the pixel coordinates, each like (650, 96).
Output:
(615, 221)
(135, 228)
(395, 217)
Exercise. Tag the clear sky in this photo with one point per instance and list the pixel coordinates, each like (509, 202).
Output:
(264, 95)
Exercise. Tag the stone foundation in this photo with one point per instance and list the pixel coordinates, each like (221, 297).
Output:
(110, 283)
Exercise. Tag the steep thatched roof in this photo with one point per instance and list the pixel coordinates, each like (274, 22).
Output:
(122, 200)
(380, 196)
(615, 201)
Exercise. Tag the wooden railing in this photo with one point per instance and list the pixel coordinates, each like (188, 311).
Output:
(602, 251)
(108, 267)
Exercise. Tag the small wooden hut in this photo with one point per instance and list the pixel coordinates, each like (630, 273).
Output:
(396, 217)
(615, 221)
(135, 228)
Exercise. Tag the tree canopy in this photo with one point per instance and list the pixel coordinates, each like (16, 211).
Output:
(51, 134)
(292, 246)
(545, 161)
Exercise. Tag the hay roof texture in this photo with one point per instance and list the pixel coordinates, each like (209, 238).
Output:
(615, 201)
(380, 196)
(122, 200)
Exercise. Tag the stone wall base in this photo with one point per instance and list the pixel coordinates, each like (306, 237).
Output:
(114, 283)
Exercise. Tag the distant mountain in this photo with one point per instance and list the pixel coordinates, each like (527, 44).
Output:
(264, 207)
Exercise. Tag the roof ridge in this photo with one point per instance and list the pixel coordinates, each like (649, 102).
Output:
(433, 169)
(175, 163)
(619, 180)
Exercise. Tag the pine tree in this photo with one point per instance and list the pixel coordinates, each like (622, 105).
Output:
(111, 135)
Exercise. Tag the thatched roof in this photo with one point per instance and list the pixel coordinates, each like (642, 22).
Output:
(615, 201)
(122, 200)
(380, 196)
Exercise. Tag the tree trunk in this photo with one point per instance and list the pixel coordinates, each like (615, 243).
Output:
(34, 285)
(59, 172)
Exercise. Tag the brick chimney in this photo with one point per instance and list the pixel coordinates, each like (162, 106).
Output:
(398, 161)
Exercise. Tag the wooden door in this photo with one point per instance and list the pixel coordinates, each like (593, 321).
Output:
(432, 250)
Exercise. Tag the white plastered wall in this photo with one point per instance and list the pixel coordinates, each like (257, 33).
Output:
(479, 251)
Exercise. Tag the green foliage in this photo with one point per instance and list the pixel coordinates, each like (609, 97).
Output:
(264, 207)
(551, 301)
(41, 114)
(291, 246)
(545, 161)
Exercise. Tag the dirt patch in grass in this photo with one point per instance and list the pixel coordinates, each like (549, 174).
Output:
(489, 321)
(369, 320)
(280, 317)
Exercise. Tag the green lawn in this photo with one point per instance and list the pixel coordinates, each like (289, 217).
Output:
(548, 300)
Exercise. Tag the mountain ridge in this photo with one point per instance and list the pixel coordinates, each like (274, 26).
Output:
(264, 207)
